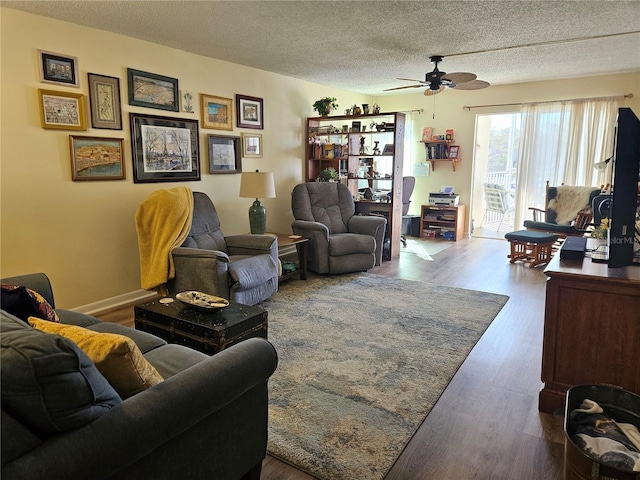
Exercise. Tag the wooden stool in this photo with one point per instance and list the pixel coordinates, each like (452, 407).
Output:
(534, 248)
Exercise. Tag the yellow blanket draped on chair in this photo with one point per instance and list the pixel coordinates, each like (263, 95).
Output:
(163, 221)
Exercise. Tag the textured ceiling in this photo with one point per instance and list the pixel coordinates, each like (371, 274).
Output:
(363, 46)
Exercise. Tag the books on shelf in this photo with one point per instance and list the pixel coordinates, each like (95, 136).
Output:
(325, 151)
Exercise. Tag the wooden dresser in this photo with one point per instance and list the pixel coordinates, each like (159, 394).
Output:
(591, 329)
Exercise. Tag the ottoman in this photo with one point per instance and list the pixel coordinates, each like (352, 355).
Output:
(534, 248)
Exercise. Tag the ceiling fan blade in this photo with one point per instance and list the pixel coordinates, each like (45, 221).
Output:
(429, 93)
(460, 77)
(412, 80)
(472, 85)
(401, 88)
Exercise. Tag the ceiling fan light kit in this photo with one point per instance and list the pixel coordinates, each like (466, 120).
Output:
(436, 81)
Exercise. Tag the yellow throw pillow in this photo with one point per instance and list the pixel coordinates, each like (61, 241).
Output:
(116, 357)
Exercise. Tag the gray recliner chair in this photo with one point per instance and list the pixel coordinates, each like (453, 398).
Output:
(241, 268)
(339, 240)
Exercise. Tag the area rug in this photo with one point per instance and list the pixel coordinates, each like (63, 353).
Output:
(362, 360)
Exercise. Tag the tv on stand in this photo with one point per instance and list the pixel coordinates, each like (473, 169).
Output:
(624, 234)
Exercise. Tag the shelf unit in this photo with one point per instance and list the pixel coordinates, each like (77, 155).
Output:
(440, 151)
(332, 142)
(442, 218)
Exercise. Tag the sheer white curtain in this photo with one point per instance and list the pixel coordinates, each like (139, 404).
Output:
(560, 142)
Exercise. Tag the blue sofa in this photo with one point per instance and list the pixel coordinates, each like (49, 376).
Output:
(206, 420)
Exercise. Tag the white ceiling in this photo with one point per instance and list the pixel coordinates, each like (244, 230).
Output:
(363, 46)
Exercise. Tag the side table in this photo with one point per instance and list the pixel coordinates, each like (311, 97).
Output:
(209, 333)
(284, 240)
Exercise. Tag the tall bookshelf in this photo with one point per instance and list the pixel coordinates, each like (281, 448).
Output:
(367, 150)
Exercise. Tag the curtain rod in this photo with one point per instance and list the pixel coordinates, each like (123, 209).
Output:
(469, 107)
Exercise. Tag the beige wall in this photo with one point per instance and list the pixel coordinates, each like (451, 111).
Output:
(449, 113)
(83, 233)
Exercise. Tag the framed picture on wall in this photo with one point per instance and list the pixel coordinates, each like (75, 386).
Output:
(153, 91)
(249, 112)
(62, 110)
(58, 68)
(252, 145)
(217, 112)
(104, 100)
(224, 154)
(96, 158)
(164, 149)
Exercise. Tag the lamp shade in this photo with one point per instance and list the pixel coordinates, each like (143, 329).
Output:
(257, 185)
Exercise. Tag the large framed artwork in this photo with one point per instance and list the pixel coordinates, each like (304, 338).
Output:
(153, 91)
(164, 149)
(104, 100)
(58, 68)
(62, 110)
(217, 112)
(97, 158)
(249, 112)
(224, 154)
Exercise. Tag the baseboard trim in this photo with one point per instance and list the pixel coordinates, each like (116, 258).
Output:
(114, 302)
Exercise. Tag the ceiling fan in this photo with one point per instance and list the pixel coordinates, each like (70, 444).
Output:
(436, 80)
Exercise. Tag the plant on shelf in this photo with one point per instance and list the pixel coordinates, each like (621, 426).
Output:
(328, 175)
(325, 105)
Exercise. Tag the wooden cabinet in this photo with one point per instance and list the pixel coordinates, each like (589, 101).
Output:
(441, 219)
(591, 329)
(371, 158)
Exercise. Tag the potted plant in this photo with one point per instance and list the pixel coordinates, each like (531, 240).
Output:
(328, 175)
(325, 105)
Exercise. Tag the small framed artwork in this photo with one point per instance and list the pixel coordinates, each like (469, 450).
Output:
(153, 91)
(97, 158)
(104, 100)
(217, 112)
(58, 68)
(249, 112)
(62, 110)
(388, 149)
(187, 101)
(454, 151)
(355, 126)
(252, 145)
(224, 154)
(164, 149)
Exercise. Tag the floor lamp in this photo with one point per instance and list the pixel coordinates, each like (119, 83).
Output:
(257, 185)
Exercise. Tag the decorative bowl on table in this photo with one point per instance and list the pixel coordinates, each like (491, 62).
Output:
(202, 301)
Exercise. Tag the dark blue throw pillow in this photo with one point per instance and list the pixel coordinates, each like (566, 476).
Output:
(48, 383)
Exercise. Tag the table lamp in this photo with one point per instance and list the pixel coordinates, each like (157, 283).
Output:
(257, 185)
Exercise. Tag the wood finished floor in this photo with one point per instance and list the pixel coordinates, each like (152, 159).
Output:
(486, 424)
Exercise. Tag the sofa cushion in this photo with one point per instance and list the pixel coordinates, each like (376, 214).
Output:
(117, 357)
(171, 359)
(24, 303)
(48, 383)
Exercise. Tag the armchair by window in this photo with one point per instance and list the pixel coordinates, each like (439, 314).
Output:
(567, 213)
(339, 240)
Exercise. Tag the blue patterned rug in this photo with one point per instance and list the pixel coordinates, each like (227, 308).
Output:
(362, 360)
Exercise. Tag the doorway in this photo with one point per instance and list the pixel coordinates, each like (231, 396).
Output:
(495, 163)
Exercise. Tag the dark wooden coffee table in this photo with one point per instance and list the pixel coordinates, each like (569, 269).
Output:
(206, 332)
